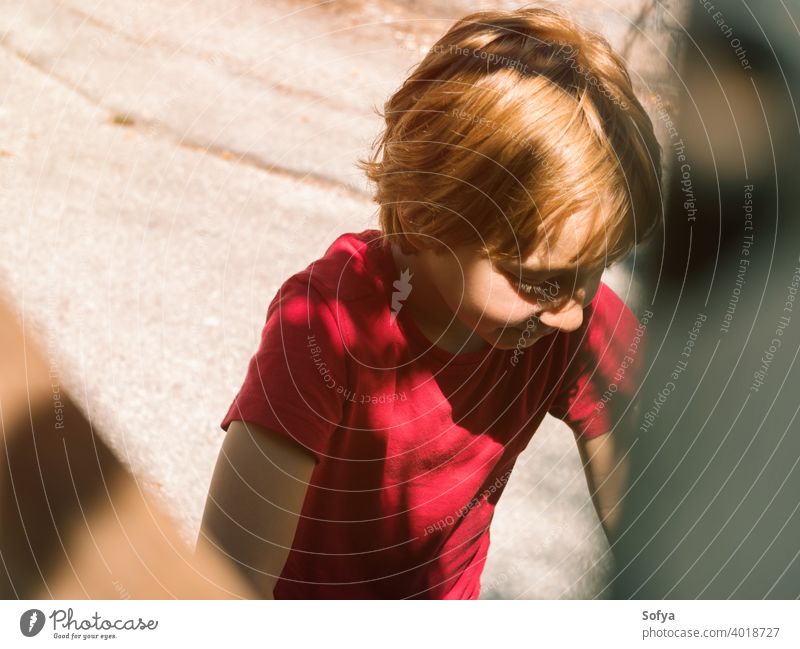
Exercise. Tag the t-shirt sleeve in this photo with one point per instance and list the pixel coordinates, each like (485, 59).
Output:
(605, 361)
(293, 380)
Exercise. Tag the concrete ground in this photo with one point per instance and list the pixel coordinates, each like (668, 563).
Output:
(165, 166)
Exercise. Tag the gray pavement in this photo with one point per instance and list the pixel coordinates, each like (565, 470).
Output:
(164, 167)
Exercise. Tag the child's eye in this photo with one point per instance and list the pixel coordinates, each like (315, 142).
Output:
(546, 289)
(525, 287)
(542, 290)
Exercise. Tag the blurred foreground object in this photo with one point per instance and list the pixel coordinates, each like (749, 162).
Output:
(714, 507)
(74, 524)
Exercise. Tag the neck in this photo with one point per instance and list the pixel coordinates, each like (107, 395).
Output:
(429, 311)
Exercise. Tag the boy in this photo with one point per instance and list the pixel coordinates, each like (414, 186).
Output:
(399, 376)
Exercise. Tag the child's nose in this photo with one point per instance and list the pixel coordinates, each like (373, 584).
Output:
(567, 317)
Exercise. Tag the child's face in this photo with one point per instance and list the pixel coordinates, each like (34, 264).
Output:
(488, 298)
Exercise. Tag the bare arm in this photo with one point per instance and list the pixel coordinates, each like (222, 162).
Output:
(254, 502)
(607, 468)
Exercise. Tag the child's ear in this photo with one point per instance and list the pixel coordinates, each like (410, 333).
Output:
(418, 243)
(410, 244)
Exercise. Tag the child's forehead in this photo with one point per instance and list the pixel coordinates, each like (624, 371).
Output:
(581, 243)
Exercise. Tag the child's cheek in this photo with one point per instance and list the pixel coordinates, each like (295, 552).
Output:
(503, 308)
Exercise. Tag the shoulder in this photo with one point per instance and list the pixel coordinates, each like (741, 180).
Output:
(349, 270)
(343, 292)
(609, 342)
(608, 328)
(605, 317)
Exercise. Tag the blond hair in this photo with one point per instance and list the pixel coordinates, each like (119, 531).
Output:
(512, 122)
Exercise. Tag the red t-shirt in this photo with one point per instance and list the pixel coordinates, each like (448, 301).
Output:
(414, 445)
